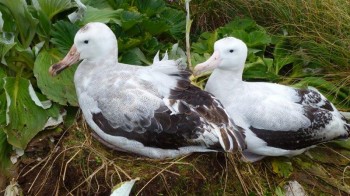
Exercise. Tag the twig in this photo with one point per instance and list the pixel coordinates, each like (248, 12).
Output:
(188, 30)
(160, 172)
(240, 178)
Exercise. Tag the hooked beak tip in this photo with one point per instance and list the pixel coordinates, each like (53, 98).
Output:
(208, 65)
(71, 58)
(54, 69)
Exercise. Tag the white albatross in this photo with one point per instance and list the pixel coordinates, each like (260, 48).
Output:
(152, 111)
(278, 120)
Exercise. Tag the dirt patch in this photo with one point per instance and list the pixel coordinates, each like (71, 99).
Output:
(71, 162)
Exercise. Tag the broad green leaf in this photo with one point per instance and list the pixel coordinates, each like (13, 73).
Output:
(155, 26)
(282, 167)
(52, 7)
(196, 58)
(140, 55)
(176, 20)
(283, 54)
(205, 44)
(44, 26)
(24, 117)
(59, 88)
(5, 46)
(258, 39)
(115, 4)
(242, 24)
(26, 24)
(130, 57)
(152, 46)
(1, 22)
(101, 4)
(63, 33)
(5, 147)
(129, 19)
(24, 59)
(2, 75)
(126, 43)
(240, 34)
(3, 105)
(100, 15)
(8, 24)
(5, 150)
(2, 99)
(259, 70)
(150, 7)
(279, 191)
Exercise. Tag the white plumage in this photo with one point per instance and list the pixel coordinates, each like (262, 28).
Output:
(152, 111)
(279, 120)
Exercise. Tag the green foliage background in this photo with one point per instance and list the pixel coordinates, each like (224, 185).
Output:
(37, 34)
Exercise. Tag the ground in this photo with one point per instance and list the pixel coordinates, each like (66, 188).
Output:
(69, 161)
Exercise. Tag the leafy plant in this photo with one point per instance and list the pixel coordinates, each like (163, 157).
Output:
(282, 167)
(316, 35)
(277, 58)
(35, 35)
(258, 66)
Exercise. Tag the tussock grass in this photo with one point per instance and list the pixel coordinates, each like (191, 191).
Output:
(79, 165)
(318, 34)
(322, 28)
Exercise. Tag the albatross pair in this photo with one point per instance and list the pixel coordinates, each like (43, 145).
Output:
(152, 111)
(278, 120)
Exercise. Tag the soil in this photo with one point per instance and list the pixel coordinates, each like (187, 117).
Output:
(71, 162)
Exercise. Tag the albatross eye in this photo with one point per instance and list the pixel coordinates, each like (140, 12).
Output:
(231, 51)
(86, 41)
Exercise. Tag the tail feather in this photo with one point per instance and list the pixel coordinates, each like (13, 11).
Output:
(239, 137)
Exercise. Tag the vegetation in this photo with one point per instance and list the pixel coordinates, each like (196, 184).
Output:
(310, 40)
(300, 43)
(39, 34)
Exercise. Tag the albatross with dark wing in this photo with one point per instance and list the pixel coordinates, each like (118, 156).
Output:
(278, 120)
(148, 110)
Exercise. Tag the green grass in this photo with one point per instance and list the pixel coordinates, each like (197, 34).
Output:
(317, 34)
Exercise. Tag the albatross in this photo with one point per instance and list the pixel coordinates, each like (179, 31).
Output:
(278, 120)
(152, 111)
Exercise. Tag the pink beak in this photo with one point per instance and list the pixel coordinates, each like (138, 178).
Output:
(71, 58)
(209, 65)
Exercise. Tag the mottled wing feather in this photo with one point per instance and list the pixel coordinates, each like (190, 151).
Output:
(209, 108)
(312, 97)
(135, 111)
(193, 116)
(304, 137)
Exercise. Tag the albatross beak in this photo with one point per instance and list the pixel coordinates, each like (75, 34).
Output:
(208, 65)
(71, 58)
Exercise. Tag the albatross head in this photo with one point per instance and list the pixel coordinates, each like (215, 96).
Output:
(229, 54)
(95, 42)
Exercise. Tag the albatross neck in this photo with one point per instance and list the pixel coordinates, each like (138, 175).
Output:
(110, 59)
(223, 81)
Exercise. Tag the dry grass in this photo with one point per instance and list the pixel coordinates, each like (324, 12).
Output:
(318, 30)
(78, 165)
(318, 34)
